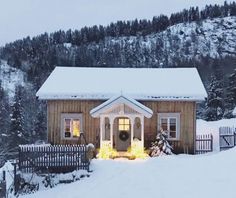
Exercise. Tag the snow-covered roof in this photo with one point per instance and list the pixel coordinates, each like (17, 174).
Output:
(118, 100)
(234, 111)
(136, 83)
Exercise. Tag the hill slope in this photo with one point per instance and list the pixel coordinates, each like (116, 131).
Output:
(10, 77)
(211, 38)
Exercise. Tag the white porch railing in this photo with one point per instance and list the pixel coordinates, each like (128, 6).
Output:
(105, 143)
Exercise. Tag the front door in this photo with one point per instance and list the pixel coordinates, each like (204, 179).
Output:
(123, 140)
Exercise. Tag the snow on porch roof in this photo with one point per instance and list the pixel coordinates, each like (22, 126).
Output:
(121, 100)
(137, 83)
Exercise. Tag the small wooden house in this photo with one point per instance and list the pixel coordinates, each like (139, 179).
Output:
(121, 107)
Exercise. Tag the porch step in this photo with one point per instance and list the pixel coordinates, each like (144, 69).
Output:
(124, 154)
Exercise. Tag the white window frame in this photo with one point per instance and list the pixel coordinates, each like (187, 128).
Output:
(70, 116)
(168, 116)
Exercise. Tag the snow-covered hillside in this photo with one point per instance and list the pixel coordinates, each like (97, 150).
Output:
(205, 176)
(10, 77)
(212, 37)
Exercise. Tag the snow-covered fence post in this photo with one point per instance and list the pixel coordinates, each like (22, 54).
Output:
(211, 142)
(15, 180)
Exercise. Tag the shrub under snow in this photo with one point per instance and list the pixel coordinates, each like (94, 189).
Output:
(161, 145)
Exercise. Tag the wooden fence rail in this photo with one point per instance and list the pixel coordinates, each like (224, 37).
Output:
(227, 137)
(53, 158)
(204, 144)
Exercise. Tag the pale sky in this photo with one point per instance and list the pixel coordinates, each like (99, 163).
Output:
(20, 18)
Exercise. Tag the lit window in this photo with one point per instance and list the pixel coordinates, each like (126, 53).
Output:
(71, 125)
(76, 127)
(170, 122)
(124, 124)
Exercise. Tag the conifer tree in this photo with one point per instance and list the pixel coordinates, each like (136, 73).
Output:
(40, 125)
(230, 100)
(161, 145)
(4, 111)
(16, 134)
(215, 103)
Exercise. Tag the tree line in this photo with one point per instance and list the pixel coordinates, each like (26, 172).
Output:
(29, 48)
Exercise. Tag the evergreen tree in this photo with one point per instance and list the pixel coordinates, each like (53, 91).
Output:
(4, 124)
(231, 94)
(16, 133)
(161, 145)
(215, 103)
(40, 124)
(4, 112)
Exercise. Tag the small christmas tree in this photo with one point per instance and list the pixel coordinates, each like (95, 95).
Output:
(161, 145)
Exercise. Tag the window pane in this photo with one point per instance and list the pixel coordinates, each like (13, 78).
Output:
(126, 121)
(121, 128)
(126, 127)
(172, 134)
(121, 121)
(172, 120)
(76, 127)
(67, 128)
(67, 125)
(164, 124)
(172, 124)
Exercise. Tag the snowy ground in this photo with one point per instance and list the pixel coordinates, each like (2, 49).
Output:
(202, 176)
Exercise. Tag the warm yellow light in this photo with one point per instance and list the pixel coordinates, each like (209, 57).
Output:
(124, 124)
(76, 128)
(137, 150)
(106, 152)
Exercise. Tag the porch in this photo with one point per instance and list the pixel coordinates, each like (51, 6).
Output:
(121, 123)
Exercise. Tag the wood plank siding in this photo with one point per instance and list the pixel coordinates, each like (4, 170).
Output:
(91, 126)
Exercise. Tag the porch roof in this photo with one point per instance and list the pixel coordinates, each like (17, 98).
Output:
(118, 100)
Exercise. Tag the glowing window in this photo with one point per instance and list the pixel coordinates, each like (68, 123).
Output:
(71, 125)
(124, 124)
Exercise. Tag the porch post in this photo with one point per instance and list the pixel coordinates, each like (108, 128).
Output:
(111, 119)
(142, 131)
(101, 129)
(132, 119)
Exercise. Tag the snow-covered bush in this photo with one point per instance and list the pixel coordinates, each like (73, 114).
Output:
(137, 150)
(161, 145)
(91, 151)
(106, 152)
(31, 182)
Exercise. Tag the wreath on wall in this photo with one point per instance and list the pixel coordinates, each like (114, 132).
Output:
(124, 135)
